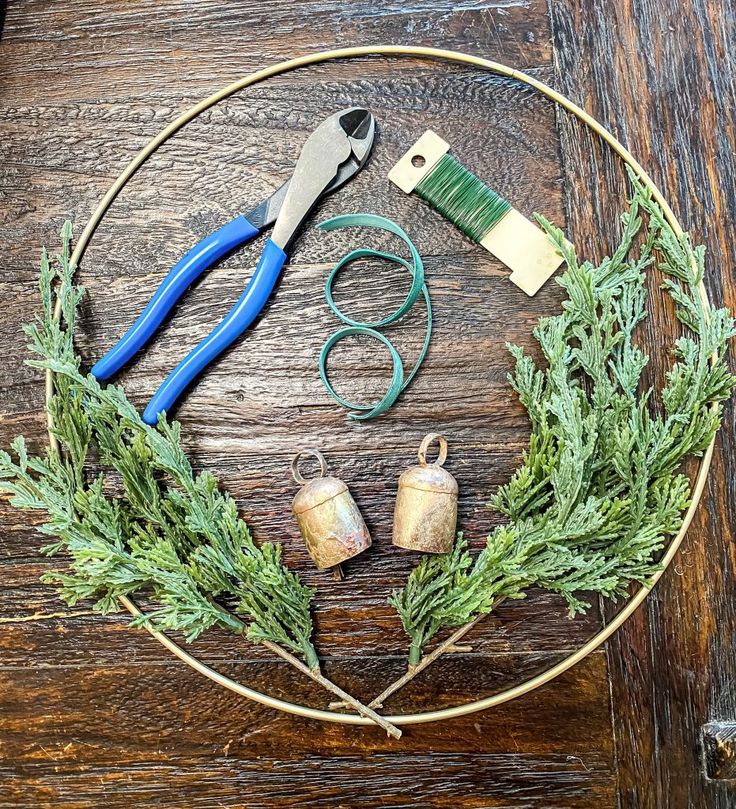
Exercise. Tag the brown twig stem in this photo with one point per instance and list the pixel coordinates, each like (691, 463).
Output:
(346, 698)
(412, 671)
(448, 645)
(427, 660)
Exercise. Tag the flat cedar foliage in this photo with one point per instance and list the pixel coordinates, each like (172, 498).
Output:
(172, 533)
(598, 492)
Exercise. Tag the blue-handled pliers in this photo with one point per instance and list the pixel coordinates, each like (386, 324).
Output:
(332, 154)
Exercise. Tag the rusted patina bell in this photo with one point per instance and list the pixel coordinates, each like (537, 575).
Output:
(329, 520)
(426, 504)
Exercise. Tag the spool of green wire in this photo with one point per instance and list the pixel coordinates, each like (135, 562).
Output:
(463, 198)
(399, 380)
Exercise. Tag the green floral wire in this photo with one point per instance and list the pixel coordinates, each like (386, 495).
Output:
(399, 382)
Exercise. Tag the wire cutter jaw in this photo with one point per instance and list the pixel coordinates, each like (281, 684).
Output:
(362, 127)
(342, 141)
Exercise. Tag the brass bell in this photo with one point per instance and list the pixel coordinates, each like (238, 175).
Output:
(426, 504)
(329, 520)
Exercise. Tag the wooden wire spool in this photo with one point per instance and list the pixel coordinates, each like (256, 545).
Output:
(495, 67)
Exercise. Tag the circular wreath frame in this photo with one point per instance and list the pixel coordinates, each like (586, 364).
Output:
(495, 67)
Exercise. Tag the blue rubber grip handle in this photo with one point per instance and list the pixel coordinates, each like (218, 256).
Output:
(236, 321)
(189, 267)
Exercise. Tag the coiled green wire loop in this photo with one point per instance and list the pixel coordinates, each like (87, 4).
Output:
(399, 381)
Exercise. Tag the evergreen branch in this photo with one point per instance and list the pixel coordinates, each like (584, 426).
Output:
(598, 493)
(192, 512)
(172, 535)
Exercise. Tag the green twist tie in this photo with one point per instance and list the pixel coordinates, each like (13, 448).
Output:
(399, 382)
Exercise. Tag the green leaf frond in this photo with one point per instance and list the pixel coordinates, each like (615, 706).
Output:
(171, 534)
(598, 494)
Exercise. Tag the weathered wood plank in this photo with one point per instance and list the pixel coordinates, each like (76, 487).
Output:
(193, 713)
(493, 782)
(170, 724)
(129, 48)
(661, 76)
(43, 632)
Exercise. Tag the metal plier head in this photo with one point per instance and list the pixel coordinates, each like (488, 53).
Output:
(332, 154)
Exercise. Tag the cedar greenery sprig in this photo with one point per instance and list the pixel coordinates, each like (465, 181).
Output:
(598, 493)
(194, 523)
(171, 534)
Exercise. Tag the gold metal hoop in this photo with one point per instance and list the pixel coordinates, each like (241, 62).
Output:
(623, 153)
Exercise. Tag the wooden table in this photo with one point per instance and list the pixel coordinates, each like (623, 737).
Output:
(95, 714)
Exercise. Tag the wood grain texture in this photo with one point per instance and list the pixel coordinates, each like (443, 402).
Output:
(661, 76)
(93, 713)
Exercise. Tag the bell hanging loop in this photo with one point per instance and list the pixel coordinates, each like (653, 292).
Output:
(427, 441)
